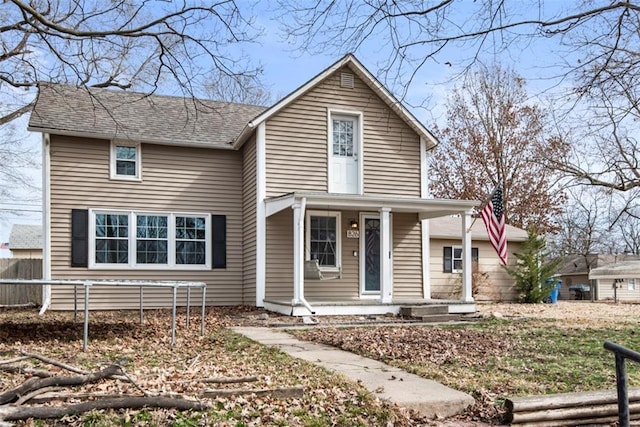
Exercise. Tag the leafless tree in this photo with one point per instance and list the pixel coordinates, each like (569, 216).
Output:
(120, 43)
(142, 45)
(240, 89)
(592, 49)
(584, 226)
(496, 135)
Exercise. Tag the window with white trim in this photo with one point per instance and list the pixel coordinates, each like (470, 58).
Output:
(323, 240)
(150, 240)
(125, 161)
(453, 257)
(631, 284)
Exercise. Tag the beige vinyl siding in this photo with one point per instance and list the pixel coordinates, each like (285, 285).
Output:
(280, 262)
(175, 179)
(606, 292)
(499, 286)
(407, 256)
(347, 287)
(279, 256)
(297, 142)
(249, 221)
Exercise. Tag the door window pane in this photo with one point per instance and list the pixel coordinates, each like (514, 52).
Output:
(343, 137)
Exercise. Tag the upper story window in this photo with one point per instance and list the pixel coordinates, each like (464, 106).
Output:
(125, 161)
(323, 238)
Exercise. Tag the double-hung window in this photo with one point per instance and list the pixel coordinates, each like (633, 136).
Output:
(125, 161)
(150, 240)
(453, 257)
(323, 238)
(631, 284)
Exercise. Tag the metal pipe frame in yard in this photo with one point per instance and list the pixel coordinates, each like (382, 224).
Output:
(622, 353)
(141, 284)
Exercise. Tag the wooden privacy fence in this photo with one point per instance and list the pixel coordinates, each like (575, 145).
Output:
(16, 268)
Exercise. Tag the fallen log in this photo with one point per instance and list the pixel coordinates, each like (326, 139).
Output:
(18, 413)
(30, 371)
(56, 381)
(225, 380)
(278, 393)
(569, 408)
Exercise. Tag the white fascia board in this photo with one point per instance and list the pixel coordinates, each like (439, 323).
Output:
(431, 208)
(273, 206)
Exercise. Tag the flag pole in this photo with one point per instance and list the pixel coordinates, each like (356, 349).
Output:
(484, 204)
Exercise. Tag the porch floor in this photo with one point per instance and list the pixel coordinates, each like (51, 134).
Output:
(360, 306)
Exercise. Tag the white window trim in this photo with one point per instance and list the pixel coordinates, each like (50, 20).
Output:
(631, 284)
(361, 246)
(171, 246)
(359, 116)
(453, 259)
(112, 162)
(307, 243)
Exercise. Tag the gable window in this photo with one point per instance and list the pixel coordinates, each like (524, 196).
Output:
(453, 257)
(343, 136)
(150, 240)
(125, 161)
(631, 284)
(323, 239)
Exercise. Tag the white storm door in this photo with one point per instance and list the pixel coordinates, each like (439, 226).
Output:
(344, 142)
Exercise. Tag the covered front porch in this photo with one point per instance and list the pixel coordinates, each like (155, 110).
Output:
(339, 254)
(362, 307)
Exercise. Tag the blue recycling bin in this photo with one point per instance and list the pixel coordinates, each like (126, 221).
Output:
(555, 292)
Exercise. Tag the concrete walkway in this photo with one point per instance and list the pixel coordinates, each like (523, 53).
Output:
(393, 384)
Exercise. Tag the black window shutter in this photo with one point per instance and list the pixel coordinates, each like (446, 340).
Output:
(448, 259)
(474, 255)
(219, 241)
(79, 237)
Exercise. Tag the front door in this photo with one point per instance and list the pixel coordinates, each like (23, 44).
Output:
(370, 254)
(343, 155)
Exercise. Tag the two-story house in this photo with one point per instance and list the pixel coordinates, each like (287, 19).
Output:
(317, 204)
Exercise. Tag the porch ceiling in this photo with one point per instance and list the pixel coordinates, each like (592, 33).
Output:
(425, 208)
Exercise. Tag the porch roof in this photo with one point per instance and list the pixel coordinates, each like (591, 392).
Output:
(425, 208)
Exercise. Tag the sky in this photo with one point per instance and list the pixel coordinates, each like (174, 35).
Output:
(285, 69)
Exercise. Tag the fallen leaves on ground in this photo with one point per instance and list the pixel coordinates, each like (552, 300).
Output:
(145, 352)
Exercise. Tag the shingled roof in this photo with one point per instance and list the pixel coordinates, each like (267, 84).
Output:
(25, 236)
(111, 114)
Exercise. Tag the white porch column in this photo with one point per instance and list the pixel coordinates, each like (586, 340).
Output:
(261, 217)
(467, 294)
(424, 224)
(386, 285)
(298, 253)
(426, 253)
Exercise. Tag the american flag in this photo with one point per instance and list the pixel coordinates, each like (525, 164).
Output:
(493, 217)
(4, 245)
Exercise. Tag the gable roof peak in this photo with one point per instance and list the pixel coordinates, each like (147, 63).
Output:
(366, 76)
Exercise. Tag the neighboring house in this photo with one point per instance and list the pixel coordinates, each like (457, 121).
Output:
(25, 241)
(617, 281)
(490, 281)
(574, 270)
(260, 203)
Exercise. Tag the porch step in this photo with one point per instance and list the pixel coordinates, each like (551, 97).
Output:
(439, 318)
(424, 310)
(429, 313)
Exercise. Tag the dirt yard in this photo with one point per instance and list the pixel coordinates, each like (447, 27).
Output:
(569, 310)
